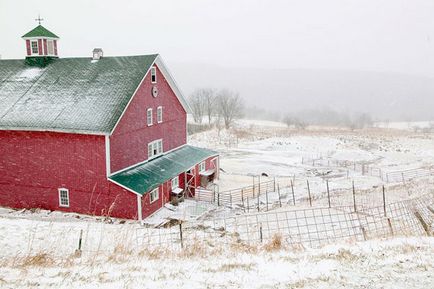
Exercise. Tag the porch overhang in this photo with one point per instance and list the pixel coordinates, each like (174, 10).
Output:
(145, 177)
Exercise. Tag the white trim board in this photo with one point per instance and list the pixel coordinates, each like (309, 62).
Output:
(128, 189)
(107, 155)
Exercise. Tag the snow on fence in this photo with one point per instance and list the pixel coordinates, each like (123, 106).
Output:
(241, 196)
(293, 191)
(311, 227)
(367, 169)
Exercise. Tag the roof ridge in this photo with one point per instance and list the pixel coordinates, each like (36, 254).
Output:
(90, 57)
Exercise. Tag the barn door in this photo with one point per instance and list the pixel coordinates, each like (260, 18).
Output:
(190, 182)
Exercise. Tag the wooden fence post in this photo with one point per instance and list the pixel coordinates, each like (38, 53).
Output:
(242, 196)
(218, 198)
(180, 235)
(258, 202)
(384, 201)
(328, 193)
(292, 189)
(79, 240)
(274, 184)
(248, 206)
(266, 197)
(354, 198)
(308, 192)
(260, 232)
(278, 193)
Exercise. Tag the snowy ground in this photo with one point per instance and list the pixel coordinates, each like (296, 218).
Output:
(251, 150)
(38, 249)
(396, 263)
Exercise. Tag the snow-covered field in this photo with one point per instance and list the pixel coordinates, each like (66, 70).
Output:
(395, 263)
(38, 249)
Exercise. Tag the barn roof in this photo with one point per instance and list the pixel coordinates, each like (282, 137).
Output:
(40, 31)
(77, 95)
(147, 176)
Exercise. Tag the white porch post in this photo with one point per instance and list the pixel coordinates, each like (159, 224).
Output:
(139, 208)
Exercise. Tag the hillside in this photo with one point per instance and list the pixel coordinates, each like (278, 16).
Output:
(388, 96)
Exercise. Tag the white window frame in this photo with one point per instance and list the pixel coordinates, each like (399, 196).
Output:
(154, 195)
(202, 167)
(175, 182)
(149, 118)
(153, 74)
(155, 148)
(62, 199)
(31, 47)
(159, 114)
(50, 47)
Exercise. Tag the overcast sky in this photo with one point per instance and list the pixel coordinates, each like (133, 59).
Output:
(373, 35)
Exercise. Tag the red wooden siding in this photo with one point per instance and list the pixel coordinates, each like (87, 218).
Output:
(35, 164)
(55, 47)
(45, 47)
(40, 46)
(29, 52)
(129, 142)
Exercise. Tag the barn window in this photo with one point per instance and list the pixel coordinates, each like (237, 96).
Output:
(149, 116)
(154, 74)
(175, 183)
(155, 148)
(50, 47)
(35, 49)
(63, 197)
(202, 167)
(160, 114)
(155, 195)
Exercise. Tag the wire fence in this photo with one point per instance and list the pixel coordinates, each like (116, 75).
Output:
(368, 169)
(311, 227)
(274, 194)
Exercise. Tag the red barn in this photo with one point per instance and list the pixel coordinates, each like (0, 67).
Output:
(98, 135)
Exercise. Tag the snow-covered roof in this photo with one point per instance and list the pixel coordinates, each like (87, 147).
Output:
(77, 95)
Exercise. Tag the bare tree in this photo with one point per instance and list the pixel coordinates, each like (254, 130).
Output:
(197, 105)
(209, 101)
(288, 120)
(230, 106)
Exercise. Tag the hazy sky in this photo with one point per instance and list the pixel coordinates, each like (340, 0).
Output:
(378, 35)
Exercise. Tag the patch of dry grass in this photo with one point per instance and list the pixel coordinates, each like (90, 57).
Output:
(37, 260)
(275, 244)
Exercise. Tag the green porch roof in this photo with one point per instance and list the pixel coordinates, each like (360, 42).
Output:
(146, 177)
(40, 31)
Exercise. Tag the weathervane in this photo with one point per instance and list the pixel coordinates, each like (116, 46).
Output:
(39, 19)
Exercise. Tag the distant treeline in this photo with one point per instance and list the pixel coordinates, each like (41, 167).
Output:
(318, 117)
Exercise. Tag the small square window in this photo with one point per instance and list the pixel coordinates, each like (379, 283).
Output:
(154, 195)
(153, 74)
(35, 48)
(50, 47)
(63, 197)
(202, 167)
(175, 183)
(149, 116)
(160, 114)
(155, 148)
